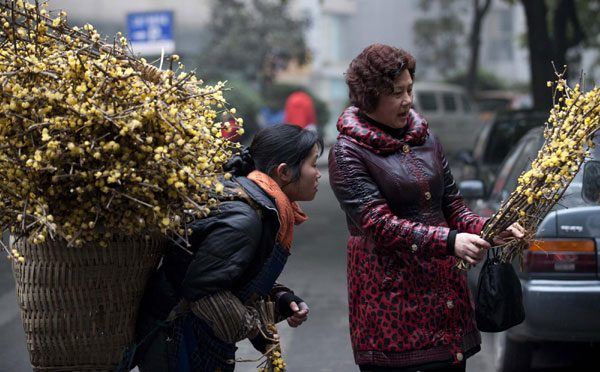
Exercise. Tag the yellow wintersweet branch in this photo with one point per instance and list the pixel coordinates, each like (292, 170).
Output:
(572, 123)
(274, 361)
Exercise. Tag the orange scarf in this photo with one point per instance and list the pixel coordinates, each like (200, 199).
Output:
(290, 213)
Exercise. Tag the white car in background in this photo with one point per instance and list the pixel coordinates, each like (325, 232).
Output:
(451, 115)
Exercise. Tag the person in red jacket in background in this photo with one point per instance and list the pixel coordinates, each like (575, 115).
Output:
(231, 133)
(300, 110)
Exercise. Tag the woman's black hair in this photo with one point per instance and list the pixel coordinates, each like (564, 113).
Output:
(276, 144)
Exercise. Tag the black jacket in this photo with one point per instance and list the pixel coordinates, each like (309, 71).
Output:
(227, 249)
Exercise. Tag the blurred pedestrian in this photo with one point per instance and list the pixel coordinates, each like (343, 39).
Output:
(300, 110)
(202, 298)
(270, 116)
(410, 308)
(230, 132)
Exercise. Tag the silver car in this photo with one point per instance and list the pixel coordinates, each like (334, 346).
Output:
(560, 276)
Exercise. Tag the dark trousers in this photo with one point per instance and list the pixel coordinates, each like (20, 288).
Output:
(152, 354)
(461, 367)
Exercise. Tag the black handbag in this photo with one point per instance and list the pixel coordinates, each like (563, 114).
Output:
(499, 299)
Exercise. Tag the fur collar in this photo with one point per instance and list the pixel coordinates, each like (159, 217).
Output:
(358, 130)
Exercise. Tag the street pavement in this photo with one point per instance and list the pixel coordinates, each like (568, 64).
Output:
(316, 271)
(13, 354)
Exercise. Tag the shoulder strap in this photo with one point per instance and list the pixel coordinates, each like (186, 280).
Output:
(239, 193)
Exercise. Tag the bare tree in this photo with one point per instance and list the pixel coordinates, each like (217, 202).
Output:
(439, 38)
(254, 39)
(480, 9)
(546, 47)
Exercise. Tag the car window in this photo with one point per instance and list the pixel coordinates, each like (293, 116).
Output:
(493, 104)
(590, 189)
(481, 142)
(505, 169)
(595, 152)
(517, 161)
(523, 162)
(465, 102)
(427, 101)
(573, 195)
(506, 131)
(449, 102)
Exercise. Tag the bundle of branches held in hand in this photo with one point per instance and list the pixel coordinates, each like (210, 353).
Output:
(568, 134)
(274, 361)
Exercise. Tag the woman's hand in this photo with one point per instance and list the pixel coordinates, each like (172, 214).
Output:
(293, 308)
(262, 337)
(469, 247)
(513, 231)
(300, 314)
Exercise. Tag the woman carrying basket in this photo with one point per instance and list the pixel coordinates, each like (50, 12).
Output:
(234, 258)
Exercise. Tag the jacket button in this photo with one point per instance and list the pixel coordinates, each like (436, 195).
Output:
(459, 357)
(450, 304)
(414, 247)
(427, 195)
(406, 148)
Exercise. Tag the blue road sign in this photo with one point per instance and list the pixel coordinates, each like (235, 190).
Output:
(151, 32)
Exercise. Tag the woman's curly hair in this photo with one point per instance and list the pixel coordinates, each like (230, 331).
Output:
(372, 73)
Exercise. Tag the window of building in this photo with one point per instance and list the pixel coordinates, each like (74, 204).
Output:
(337, 38)
(501, 25)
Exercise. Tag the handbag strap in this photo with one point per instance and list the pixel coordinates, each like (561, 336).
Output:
(495, 253)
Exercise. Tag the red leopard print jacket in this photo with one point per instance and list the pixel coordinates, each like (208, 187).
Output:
(407, 304)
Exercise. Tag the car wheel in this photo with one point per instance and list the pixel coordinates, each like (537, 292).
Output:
(511, 355)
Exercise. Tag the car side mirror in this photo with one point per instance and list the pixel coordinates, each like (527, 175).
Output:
(472, 189)
(590, 191)
(465, 157)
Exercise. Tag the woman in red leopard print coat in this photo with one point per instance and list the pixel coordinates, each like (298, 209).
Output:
(410, 309)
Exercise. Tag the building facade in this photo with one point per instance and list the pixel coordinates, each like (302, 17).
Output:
(339, 30)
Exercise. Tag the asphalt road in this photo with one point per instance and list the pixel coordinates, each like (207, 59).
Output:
(13, 354)
(316, 270)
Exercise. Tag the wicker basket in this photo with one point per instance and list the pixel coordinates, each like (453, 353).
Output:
(79, 305)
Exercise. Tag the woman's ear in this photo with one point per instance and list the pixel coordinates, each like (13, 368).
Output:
(282, 173)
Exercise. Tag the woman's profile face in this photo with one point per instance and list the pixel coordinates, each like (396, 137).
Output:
(306, 186)
(392, 108)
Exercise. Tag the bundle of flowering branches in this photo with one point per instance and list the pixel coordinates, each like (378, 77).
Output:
(568, 134)
(94, 140)
(274, 361)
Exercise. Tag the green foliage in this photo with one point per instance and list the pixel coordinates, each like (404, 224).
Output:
(437, 39)
(254, 39)
(486, 80)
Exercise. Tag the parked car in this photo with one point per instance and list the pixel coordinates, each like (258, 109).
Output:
(560, 275)
(492, 101)
(495, 141)
(451, 115)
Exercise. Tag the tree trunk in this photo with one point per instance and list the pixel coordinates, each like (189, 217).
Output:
(479, 14)
(563, 40)
(543, 51)
(540, 53)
